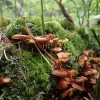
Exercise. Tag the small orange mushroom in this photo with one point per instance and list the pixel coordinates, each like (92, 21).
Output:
(87, 52)
(20, 36)
(63, 83)
(95, 60)
(41, 39)
(72, 73)
(63, 55)
(5, 81)
(49, 42)
(56, 49)
(50, 35)
(78, 83)
(65, 41)
(29, 41)
(60, 72)
(68, 92)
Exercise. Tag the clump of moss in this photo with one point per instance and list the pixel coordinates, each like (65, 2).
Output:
(18, 26)
(52, 26)
(67, 25)
(4, 22)
(30, 75)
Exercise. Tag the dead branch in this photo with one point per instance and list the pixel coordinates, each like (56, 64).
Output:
(64, 11)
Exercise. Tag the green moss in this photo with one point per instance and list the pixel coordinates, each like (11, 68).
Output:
(51, 26)
(4, 22)
(67, 25)
(30, 75)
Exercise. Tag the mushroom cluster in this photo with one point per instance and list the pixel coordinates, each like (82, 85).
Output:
(72, 80)
(69, 80)
(89, 65)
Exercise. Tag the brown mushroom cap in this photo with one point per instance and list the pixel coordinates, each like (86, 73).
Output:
(56, 49)
(68, 92)
(20, 36)
(41, 39)
(60, 72)
(95, 60)
(65, 41)
(79, 87)
(50, 35)
(63, 55)
(5, 80)
(72, 73)
(49, 42)
(63, 83)
(80, 79)
(87, 52)
(29, 41)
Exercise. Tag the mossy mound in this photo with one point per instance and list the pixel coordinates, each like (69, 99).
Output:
(76, 37)
(4, 22)
(30, 75)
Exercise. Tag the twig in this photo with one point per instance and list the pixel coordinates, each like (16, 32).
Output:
(91, 98)
(4, 52)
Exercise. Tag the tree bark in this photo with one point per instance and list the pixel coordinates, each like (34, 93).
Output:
(64, 11)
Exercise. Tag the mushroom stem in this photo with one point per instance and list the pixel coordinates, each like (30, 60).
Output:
(54, 60)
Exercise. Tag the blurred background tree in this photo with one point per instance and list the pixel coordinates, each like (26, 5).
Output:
(81, 10)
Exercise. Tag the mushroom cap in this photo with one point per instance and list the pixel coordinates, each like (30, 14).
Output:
(50, 35)
(56, 49)
(79, 87)
(90, 72)
(72, 73)
(29, 41)
(63, 83)
(95, 60)
(20, 36)
(49, 42)
(87, 52)
(63, 55)
(60, 72)
(5, 80)
(68, 92)
(80, 79)
(65, 41)
(55, 39)
(41, 39)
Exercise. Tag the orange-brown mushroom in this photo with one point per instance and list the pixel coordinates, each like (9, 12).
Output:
(72, 73)
(5, 81)
(49, 42)
(41, 39)
(95, 60)
(55, 41)
(65, 41)
(78, 83)
(21, 37)
(68, 92)
(63, 55)
(87, 52)
(60, 72)
(79, 87)
(63, 83)
(50, 35)
(89, 72)
(29, 41)
(56, 49)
